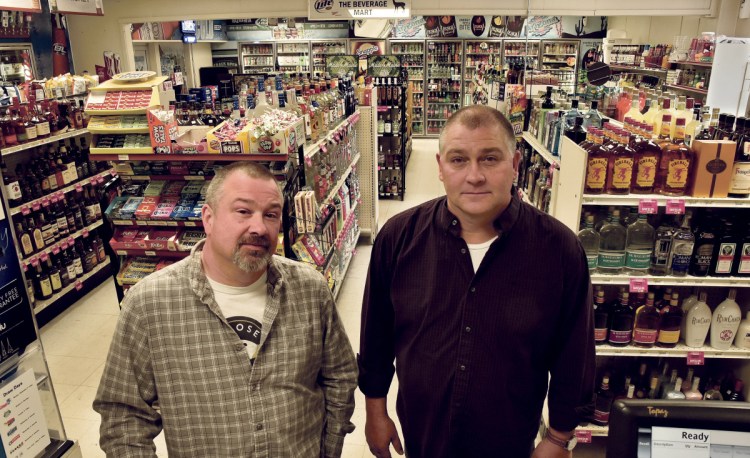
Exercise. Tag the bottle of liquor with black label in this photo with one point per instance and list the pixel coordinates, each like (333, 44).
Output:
(725, 252)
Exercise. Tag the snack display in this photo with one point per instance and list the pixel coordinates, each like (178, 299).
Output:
(117, 122)
(123, 141)
(119, 100)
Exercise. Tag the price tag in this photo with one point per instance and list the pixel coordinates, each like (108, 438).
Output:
(79, 188)
(696, 358)
(122, 253)
(55, 198)
(150, 253)
(190, 224)
(171, 223)
(141, 223)
(323, 148)
(194, 178)
(85, 233)
(71, 242)
(648, 206)
(639, 285)
(583, 436)
(112, 172)
(36, 207)
(56, 250)
(79, 285)
(123, 157)
(45, 202)
(675, 207)
(25, 210)
(34, 261)
(44, 257)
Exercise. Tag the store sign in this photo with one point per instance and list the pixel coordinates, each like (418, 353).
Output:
(336, 10)
(87, 7)
(32, 6)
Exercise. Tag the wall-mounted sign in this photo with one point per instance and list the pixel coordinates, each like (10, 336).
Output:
(336, 10)
(32, 6)
(87, 7)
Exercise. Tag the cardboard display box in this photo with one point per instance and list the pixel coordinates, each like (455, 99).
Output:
(712, 168)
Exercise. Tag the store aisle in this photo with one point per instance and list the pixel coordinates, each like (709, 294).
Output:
(76, 342)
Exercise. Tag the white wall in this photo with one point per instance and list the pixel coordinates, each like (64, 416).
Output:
(661, 29)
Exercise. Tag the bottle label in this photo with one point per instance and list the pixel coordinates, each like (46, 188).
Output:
(726, 258)
(678, 173)
(596, 175)
(592, 261)
(14, 190)
(620, 337)
(622, 173)
(600, 334)
(744, 267)
(31, 132)
(10, 139)
(638, 259)
(646, 171)
(71, 268)
(42, 129)
(26, 243)
(661, 251)
(645, 336)
(78, 266)
(601, 416)
(669, 337)
(38, 239)
(56, 282)
(611, 259)
(741, 177)
(46, 287)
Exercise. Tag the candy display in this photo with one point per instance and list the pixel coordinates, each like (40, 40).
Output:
(119, 100)
(123, 141)
(117, 122)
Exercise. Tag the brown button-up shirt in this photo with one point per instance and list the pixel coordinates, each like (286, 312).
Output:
(473, 351)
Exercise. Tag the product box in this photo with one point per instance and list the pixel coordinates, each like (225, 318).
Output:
(188, 239)
(197, 211)
(173, 189)
(123, 168)
(183, 209)
(140, 168)
(178, 168)
(164, 209)
(114, 208)
(712, 168)
(237, 144)
(192, 190)
(147, 207)
(155, 188)
(282, 142)
(162, 239)
(191, 142)
(131, 205)
(162, 131)
(128, 239)
(159, 168)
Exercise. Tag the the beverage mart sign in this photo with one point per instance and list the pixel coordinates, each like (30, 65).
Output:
(501, 27)
(336, 10)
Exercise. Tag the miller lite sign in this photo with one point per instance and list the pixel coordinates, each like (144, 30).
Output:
(337, 10)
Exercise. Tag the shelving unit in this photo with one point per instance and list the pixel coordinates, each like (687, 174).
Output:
(78, 285)
(561, 58)
(293, 56)
(632, 69)
(443, 87)
(521, 52)
(703, 92)
(43, 141)
(634, 199)
(321, 49)
(257, 57)
(412, 58)
(37, 202)
(669, 280)
(486, 53)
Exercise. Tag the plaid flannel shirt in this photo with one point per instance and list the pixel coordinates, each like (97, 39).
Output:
(175, 363)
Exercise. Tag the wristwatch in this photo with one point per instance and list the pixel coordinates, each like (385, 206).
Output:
(568, 445)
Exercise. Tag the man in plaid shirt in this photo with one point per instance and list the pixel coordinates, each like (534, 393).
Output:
(233, 352)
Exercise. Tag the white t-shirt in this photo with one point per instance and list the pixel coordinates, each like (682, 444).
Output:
(243, 307)
(478, 250)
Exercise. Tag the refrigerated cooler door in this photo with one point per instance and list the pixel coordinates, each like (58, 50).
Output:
(412, 58)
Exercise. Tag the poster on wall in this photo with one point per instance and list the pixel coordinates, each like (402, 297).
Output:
(544, 27)
(336, 10)
(584, 26)
(86, 7)
(362, 49)
(31, 6)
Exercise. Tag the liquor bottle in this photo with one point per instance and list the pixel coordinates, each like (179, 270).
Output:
(70, 264)
(42, 283)
(54, 275)
(743, 333)
(653, 392)
(703, 251)
(645, 164)
(24, 236)
(740, 184)
(12, 186)
(621, 328)
(725, 252)
(75, 208)
(28, 125)
(647, 320)
(593, 118)
(548, 104)
(601, 318)
(50, 231)
(675, 391)
(66, 164)
(98, 246)
(736, 395)
(620, 173)
(642, 385)
(683, 242)
(603, 403)
(697, 323)
(670, 324)
(675, 164)
(687, 382)
(577, 133)
(64, 277)
(634, 113)
(77, 260)
(43, 128)
(662, 248)
(88, 255)
(725, 322)
(713, 393)
(62, 222)
(35, 226)
(8, 129)
(597, 166)
(590, 240)
(694, 394)
(612, 245)
(639, 246)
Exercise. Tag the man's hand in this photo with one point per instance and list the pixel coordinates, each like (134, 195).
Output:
(380, 431)
(547, 449)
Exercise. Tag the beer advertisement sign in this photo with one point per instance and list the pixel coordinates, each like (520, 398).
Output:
(337, 10)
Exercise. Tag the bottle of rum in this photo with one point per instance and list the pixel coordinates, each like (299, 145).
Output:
(697, 323)
(676, 161)
(671, 322)
(725, 322)
(743, 333)
(613, 237)
(647, 320)
(621, 328)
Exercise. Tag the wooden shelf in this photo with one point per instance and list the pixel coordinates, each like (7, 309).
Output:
(687, 89)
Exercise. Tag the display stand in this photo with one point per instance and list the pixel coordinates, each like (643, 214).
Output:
(368, 170)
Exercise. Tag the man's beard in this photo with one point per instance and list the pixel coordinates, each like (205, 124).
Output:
(252, 262)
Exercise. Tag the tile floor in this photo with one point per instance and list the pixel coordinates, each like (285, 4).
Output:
(77, 341)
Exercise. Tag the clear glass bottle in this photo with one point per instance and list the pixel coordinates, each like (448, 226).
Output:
(647, 320)
(639, 246)
(683, 241)
(612, 245)
(590, 240)
(662, 248)
(592, 118)
(675, 392)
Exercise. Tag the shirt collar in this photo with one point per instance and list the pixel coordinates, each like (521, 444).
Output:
(502, 224)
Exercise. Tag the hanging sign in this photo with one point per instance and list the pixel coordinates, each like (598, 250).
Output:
(87, 7)
(31, 6)
(337, 10)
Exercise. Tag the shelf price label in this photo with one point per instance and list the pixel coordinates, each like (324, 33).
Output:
(25, 211)
(44, 257)
(675, 207)
(36, 207)
(696, 358)
(583, 436)
(56, 250)
(123, 157)
(150, 253)
(112, 172)
(85, 232)
(71, 242)
(79, 188)
(639, 285)
(648, 206)
(79, 285)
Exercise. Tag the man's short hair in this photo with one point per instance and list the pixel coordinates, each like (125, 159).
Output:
(251, 169)
(476, 116)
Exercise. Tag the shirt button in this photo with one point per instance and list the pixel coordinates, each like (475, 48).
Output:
(454, 222)
(473, 290)
(463, 250)
(468, 329)
(462, 367)
(258, 427)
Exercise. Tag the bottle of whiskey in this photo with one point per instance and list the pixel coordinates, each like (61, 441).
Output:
(621, 327)
(620, 173)
(601, 318)
(647, 320)
(612, 245)
(639, 246)
(597, 167)
(42, 283)
(676, 159)
(645, 164)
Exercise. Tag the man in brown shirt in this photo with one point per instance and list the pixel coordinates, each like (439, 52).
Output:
(480, 299)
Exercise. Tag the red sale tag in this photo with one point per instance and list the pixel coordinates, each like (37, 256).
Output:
(54, 199)
(44, 257)
(583, 436)
(675, 207)
(34, 261)
(71, 242)
(696, 358)
(100, 180)
(25, 211)
(648, 206)
(56, 250)
(639, 285)
(112, 172)
(45, 203)
(79, 285)
(85, 233)
(36, 207)
(79, 188)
